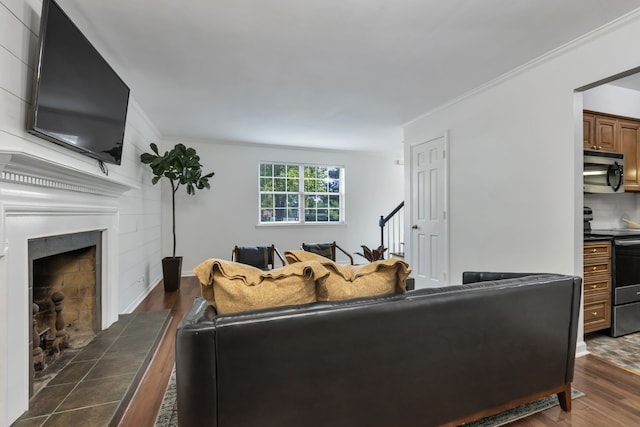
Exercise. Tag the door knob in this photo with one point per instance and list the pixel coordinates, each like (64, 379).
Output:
(414, 226)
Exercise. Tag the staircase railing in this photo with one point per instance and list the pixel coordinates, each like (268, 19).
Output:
(392, 226)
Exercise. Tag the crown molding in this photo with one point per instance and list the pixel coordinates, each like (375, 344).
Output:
(617, 23)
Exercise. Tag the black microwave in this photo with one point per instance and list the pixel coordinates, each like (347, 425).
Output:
(603, 172)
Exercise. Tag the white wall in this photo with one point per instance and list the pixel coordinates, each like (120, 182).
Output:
(516, 157)
(210, 223)
(139, 216)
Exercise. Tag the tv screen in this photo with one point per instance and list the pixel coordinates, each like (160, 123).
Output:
(78, 100)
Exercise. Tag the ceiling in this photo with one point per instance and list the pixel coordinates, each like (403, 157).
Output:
(629, 82)
(341, 74)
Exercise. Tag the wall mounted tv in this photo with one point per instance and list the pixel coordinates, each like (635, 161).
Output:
(79, 102)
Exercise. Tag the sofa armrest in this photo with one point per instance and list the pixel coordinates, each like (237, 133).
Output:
(196, 366)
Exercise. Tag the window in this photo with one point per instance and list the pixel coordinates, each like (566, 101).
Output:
(300, 193)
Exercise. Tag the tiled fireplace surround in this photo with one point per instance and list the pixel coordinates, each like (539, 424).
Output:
(38, 199)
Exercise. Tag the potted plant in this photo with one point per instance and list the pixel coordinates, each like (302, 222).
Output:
(372, 254)
(181, 166)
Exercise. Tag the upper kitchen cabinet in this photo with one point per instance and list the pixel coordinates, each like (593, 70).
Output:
(599, 132)
(608, 132)
(629, 145)
(589, 130)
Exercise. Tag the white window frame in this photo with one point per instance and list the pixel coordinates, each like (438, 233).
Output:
(301, 195)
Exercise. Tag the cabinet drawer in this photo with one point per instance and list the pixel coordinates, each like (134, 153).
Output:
(597, 250)
(597, 284)
(600, 268)
(593, 297)
(597, 315)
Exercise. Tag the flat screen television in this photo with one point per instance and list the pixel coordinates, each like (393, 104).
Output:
(79, 101)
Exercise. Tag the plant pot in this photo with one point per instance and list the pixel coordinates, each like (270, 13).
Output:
(171, 272)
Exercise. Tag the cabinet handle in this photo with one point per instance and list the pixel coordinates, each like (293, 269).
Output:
(594, 251)
(594, 314)
(599, 147)
(595, 147)
(594, 268)
(594, 286)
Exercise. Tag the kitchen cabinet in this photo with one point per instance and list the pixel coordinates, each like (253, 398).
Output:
(606, 137)
(600, 131)
(608, 132)
(597, 285)
(629, 145)
(588, 131)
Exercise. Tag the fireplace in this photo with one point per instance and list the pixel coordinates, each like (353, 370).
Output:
(42, 201)
(65, 286)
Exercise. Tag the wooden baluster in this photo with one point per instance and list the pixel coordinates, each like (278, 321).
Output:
(62, 337)
(38, 353)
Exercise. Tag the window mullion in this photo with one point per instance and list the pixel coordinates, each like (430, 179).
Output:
(301, 200)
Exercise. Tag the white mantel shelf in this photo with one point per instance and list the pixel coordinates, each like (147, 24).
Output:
(24, 168)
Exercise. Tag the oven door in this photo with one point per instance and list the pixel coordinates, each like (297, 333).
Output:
(627, 262)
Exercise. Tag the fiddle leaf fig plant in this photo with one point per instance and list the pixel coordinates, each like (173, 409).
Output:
(181, 166)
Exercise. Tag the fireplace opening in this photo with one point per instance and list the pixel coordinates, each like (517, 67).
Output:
(64, 279)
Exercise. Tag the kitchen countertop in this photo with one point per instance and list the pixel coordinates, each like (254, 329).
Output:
(595, 238)
(596, 234)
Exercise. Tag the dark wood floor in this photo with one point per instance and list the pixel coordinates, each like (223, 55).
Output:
(143, 409)
(612, 394)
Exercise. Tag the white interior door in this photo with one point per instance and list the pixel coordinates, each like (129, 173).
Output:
(428, 226)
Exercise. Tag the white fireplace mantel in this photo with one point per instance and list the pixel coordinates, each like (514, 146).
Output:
(39, 198)
(20, 167)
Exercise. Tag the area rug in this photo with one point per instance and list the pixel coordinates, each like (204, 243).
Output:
(623, 351)
(521, 411)
(168, 414)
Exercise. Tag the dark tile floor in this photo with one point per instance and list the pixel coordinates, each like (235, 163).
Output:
(96, 386)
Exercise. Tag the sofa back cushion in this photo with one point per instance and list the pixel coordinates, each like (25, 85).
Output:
(232, 287)
(346, 281)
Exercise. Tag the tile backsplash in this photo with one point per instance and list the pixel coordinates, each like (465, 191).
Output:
(609, 209)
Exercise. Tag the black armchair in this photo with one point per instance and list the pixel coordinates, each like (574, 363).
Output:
(262, 257)
(327, 250)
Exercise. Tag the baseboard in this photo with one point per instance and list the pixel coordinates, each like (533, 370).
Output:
(136, 302)
(581, 349)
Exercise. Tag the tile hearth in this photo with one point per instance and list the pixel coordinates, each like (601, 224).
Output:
(96, 386)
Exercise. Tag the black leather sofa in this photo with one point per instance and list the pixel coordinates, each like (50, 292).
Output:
(425, 358)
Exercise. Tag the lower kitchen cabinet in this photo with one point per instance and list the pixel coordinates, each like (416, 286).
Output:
(597, 285)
